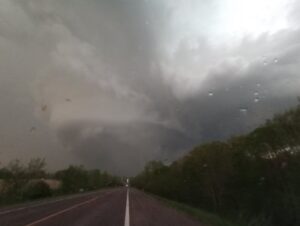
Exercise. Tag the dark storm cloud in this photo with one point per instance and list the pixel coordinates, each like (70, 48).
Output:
(113, 84)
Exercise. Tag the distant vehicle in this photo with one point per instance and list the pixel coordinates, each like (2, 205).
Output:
(127, 183)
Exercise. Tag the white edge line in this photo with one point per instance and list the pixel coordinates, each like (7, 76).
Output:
(61, 212)
(45, 203)
(127, 221)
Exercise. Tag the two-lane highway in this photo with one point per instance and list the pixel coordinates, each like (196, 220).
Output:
(111, 207)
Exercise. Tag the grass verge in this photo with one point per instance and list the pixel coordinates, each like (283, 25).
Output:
(207, 218)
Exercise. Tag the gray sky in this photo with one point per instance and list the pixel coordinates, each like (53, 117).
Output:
(114, 83)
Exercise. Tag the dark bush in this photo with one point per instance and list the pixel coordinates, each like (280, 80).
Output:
(36, 189)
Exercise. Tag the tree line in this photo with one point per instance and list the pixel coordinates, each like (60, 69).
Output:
(253, 178)
(20, 182)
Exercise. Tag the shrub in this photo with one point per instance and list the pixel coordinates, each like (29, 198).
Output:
(36, 189)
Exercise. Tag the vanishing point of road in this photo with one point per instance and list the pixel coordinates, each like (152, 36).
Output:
(108, 207)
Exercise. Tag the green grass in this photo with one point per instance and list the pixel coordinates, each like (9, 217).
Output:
(207, 218)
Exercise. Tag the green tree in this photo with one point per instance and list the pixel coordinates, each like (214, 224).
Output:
(73, 179)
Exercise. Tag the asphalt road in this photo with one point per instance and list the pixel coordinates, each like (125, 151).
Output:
(110, 207)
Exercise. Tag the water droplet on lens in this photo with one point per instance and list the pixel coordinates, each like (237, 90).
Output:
(275, 60)
(44, 107)
(256, 94)
(210, 94)
(283, 164)
(256, 100)
(243, 110)
(265, 63)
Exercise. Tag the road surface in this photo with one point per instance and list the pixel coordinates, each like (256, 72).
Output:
(110, 207)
